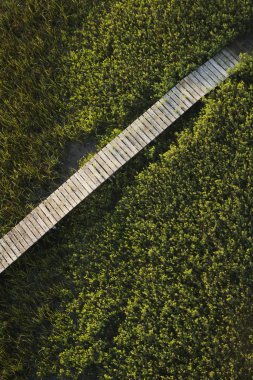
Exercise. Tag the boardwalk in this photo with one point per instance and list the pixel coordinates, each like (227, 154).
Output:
(119, 151)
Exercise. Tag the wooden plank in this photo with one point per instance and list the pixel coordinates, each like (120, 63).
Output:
(211, 74)
(24, 235)
(48, 214)
(71, 193)
(137, 130)
(234, 58)
(222, 60)
(43, 217)
(51, 209)
(55, 204)
(60, 198)
(167, 109)
(107, 161)
(82, 190)
(86, 181)
(38, 221)
(6, 249)
(110, 148)
(218, 67)
(101, 177)
(158, 120)
(104, 164)
(16, 240)
(146, 127)
(162, 115)
(38, 228)
(92, 177)
(191, 87)
(14, 251)
(215, 72)
(125, 157)
(155, 120)
(176, 103)
(74, 191)
(70, 196)
(200, 82)
(150, 124)
(125, 139)
(28, 227)
(202, 73)
(188, 94)
(101, 166)
(130, 153)
(182, 97)
(35, 229)
(134, 139)
(61, 203)
(14, 233)
(3, 261)
(96, 175)
(107, 155)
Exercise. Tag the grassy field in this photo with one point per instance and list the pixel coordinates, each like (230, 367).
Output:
(151, 277)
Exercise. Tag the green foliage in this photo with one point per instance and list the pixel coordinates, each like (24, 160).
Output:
(162, 288)
(71, 68)
(129, 53)
(34, 39)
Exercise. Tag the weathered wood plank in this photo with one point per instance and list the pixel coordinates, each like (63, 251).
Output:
(145, 127)
(134, 139)
(98, 159)
(175, 103)
(167, 110)
(59, 197)
(150, 123)
(125, 139)
(129, 152)
(10, 247)
(219, 68)
(160, 123)
(188, 102)
(199, 81)
(86, 181)
(188, 94)
(6, 249)
(107, 161)
(215, 72)
(191, 87)
(137, 130)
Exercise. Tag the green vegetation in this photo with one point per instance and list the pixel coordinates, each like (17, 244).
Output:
(75, 67)
(162, 289)
(151, 277)
(34, 38)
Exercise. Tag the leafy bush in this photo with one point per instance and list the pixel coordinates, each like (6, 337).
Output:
(71, 68)
(163, 288)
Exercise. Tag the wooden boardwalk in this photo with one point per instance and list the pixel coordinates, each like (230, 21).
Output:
(119, 151)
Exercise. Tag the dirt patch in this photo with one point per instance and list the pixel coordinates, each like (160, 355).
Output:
(74, 152)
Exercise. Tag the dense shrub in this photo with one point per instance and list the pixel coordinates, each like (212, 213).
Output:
(34, 37)
(160, 288)
(69, 68)
(163, 288)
